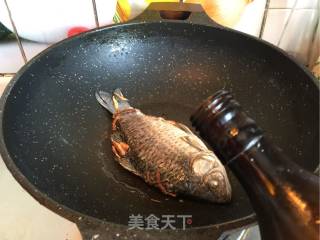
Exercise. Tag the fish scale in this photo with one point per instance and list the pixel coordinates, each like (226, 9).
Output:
(143, 132)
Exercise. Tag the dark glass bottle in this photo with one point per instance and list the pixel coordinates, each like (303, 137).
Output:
(284, 196)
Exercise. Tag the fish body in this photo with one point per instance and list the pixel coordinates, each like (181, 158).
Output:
(166, 154)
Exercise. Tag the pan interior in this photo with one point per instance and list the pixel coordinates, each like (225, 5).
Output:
(57, 134)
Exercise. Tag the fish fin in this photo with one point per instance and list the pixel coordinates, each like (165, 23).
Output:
(122, 152)
(119, 94)
(181, 126)
(190, 138)
(105, 99)
(124, 161)
(195, 142)
(112, 102)
(120, 148)
(162, 187)
(126, 164)
(122, 102)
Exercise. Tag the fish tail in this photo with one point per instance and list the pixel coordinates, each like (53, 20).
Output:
(113, 102)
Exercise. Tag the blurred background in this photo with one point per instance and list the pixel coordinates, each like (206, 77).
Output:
(27, 27)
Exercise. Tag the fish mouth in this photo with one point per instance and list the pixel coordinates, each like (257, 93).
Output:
(219, 186)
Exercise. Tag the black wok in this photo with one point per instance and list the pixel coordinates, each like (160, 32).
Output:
(54, 134)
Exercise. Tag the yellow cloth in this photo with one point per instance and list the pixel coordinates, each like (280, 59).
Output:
(125, 8)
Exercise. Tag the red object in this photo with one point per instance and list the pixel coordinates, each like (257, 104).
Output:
(76, 30)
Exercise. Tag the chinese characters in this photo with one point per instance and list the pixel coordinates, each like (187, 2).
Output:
(152, 222)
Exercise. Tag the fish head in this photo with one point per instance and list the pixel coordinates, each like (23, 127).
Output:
(211, 180)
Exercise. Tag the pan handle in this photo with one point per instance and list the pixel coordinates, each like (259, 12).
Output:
(176, 11)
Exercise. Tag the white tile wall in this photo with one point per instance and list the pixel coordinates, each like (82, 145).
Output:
(291, 24)
(291, 3)
(10, 57)
(281, 3)
(307, 4)
(276, 20)
(298, 35)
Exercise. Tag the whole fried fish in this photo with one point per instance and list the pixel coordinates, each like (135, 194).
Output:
(166, 154)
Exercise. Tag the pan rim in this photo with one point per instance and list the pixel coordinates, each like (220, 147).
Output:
(74, 215)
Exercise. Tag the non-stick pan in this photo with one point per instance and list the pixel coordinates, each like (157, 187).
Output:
(54, 134)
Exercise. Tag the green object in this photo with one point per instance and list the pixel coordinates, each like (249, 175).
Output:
(4, 32)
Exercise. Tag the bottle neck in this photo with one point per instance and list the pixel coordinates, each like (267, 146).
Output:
(282, 194)
(236, 138)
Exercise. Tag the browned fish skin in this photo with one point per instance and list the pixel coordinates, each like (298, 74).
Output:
(166, 154)
(169, 156)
